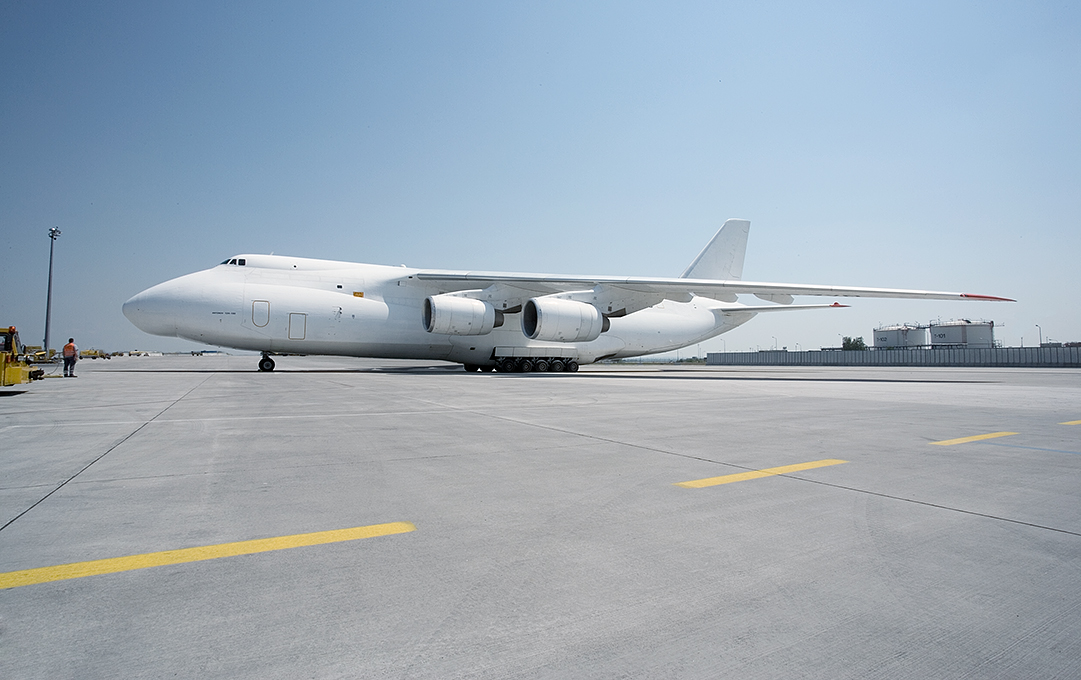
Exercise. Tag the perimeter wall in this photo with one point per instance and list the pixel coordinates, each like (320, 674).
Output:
(955, 356)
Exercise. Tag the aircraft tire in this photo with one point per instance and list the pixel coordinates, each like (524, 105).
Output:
(266, 364)
(541, 366)
(557, 366)
(526, 366)
(572, 367)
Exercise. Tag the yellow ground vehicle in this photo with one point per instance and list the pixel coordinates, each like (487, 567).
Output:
(14, 367)
(36, 355)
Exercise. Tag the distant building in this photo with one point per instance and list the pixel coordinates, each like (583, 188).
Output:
(904, 336)
(963, 333)
(940, 334)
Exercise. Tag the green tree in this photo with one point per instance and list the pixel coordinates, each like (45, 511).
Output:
(850, 344)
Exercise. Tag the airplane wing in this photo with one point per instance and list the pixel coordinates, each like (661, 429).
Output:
(615, 295)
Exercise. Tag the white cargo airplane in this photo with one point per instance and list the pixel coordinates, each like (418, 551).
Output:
(485, 320)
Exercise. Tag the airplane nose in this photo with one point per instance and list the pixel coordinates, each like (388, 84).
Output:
(153, 311)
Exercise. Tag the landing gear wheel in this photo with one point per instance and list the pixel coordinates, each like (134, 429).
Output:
(572, 367)
(526, 366)
(557, 366)
(266, 364)
(472, 368)
(541, 366)
(505, 366)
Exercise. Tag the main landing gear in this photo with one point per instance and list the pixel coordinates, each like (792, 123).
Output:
(266, 363)
(534, 364)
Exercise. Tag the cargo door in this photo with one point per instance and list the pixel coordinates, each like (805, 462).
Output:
(297, 325)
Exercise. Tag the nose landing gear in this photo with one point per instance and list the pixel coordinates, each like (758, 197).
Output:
(266, 363)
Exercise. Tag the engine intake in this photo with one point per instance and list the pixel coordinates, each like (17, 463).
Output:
(451, 315)
(557, 320)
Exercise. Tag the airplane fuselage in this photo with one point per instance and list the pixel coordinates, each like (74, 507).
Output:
(510, 321)
(287, 305)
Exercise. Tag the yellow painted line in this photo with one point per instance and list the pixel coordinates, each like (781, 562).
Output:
(1072, 422)
(974, 438)
(757, 474)
(27, 577)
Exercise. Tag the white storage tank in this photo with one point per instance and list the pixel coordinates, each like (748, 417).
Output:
(900, 337)
(963, 333)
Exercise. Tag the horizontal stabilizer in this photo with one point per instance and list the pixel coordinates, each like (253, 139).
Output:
(735, 309)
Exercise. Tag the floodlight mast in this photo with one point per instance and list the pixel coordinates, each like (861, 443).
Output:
(53, 233)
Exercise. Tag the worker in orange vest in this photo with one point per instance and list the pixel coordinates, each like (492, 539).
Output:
(71, 355)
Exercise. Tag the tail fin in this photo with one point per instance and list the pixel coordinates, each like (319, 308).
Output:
(722, 258)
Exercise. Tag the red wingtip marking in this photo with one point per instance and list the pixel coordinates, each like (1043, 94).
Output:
(986, 297)
(838, 304)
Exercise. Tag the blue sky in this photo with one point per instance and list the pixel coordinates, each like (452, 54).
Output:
(925, 145)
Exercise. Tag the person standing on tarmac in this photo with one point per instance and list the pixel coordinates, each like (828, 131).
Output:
(71, 355)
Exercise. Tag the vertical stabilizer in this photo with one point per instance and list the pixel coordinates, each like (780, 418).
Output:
(722, 258)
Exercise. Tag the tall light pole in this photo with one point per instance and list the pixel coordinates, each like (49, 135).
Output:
(53, 233)
(1041, 334)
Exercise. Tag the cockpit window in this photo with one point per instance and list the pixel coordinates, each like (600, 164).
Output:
(225, 261)
(241, 262)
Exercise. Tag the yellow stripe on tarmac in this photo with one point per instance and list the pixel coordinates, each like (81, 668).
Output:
(757, 474)
(14, 579)
(974, 438)
(1072, 422)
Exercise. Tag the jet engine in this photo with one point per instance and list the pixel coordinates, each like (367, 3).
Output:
(559, 320)
(453, 315)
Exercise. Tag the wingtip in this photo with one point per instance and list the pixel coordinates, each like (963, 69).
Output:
(990, 298)
(838, 304)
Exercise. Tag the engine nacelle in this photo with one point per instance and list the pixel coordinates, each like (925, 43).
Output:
(451, 315)
(559, 320)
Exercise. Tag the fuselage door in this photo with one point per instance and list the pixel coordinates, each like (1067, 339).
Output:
(297, 325)
(260, 313)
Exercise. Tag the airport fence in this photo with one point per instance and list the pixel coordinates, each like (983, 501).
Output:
(1020, 357)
